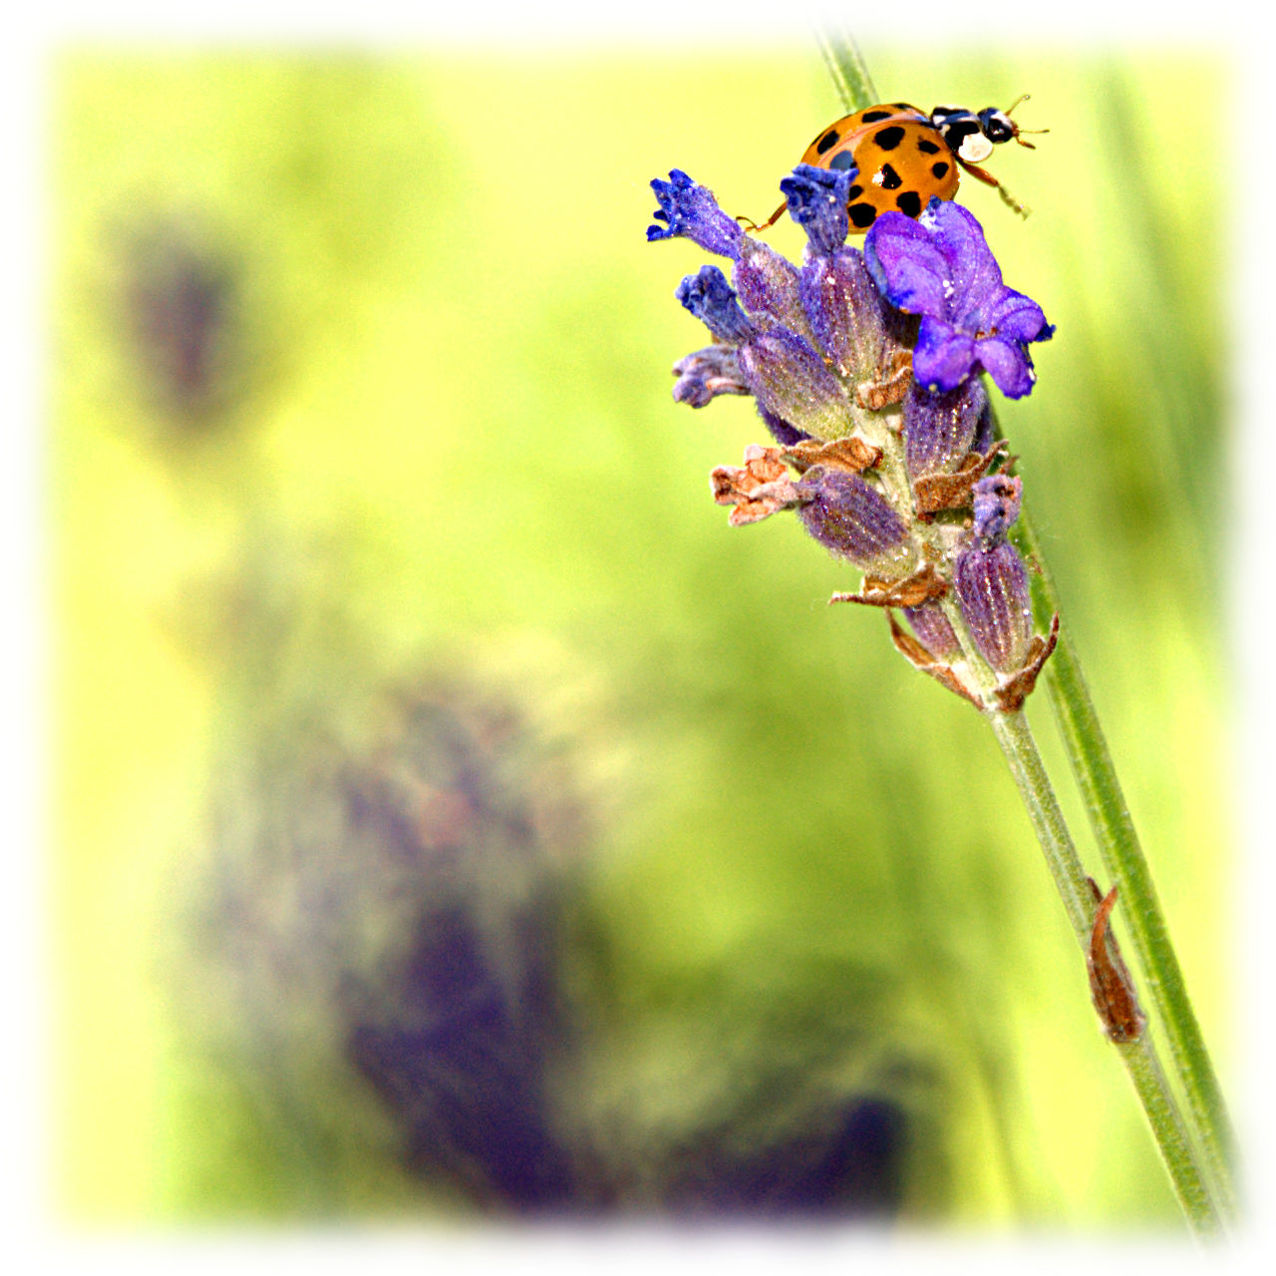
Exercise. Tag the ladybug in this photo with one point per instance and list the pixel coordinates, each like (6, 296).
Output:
(904, 156)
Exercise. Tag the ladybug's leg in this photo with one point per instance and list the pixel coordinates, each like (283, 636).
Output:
(750, 225)
(982, 173)
(989, 180)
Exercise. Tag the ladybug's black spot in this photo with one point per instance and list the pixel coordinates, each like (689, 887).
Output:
(871, 117)
(903, 106)
(889, 138)
(841, 161)
(940, 169)
(863, 215)
(826, 142)
(854, 193)
(891, 180)
(909, 202)
(956, 132)
(927, 147)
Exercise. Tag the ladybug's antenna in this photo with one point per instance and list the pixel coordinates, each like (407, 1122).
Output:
(1023, 97)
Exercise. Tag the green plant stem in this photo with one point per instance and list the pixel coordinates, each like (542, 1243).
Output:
(1195, 1194)
(1204, 1205)
(1124, 861)
(846, 65)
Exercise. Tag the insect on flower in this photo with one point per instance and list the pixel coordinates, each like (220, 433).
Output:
(903, 157)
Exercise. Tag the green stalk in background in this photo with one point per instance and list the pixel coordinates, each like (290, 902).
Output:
(1196, 1146)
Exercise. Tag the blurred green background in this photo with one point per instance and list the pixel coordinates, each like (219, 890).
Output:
(360, 393)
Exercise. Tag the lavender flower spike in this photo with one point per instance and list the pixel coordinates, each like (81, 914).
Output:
(940, 267)
(692, 211)
(782, 369)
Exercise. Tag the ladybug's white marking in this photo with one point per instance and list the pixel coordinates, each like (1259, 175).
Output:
(974, 149)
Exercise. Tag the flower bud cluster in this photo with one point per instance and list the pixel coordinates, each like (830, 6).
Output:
(868, 369)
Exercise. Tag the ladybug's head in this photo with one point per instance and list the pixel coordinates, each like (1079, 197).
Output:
(998, 127)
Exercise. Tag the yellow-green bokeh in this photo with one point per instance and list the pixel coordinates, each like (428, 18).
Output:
(451, 438)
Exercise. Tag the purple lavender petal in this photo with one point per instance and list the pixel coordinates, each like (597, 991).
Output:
(943, 357)
(974, 275)
(1019, 318)
(1008, 364)
(942, 268)
(906, 265)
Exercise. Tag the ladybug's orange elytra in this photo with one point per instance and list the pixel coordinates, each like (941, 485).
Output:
(904, 157)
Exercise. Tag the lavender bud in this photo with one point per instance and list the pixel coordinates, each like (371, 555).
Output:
(992, 588)
(690, 209)
(768, 285)
(847, 313)
(991, 580)
(852, 519)
(940, 429)
(933, 631)
(705, 374)
(791, 380)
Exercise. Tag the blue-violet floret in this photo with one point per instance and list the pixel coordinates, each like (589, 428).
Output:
(713, 301)
(817, 199)
(692, 211)
(941, 268)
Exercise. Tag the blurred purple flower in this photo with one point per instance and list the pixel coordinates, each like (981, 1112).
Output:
(181, 305)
